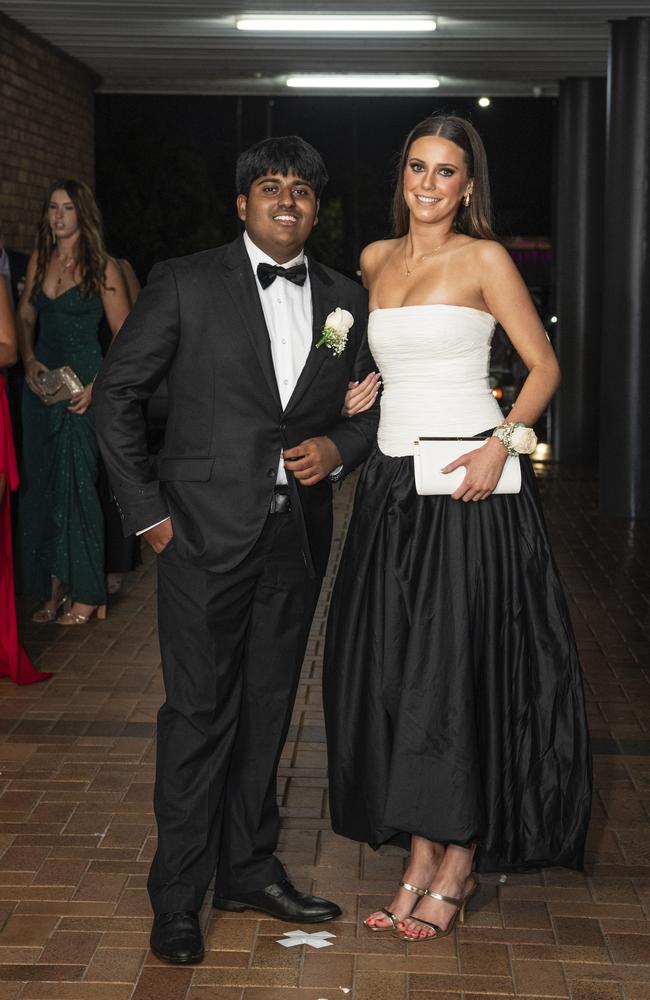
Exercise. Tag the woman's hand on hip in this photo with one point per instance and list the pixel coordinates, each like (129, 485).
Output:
(82, 400)
(361, 395)
(483, 468)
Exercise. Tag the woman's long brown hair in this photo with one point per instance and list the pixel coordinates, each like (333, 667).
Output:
(90, 251)
(474, 221)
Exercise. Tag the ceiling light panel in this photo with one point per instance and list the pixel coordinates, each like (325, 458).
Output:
(347, 24)
(361, 81)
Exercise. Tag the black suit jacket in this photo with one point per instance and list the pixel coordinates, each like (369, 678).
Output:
(199, 323)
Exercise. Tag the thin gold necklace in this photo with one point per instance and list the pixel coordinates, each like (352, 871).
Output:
(408, 271)
(63, 267)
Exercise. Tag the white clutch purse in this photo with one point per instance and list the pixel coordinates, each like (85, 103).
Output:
(430, 455)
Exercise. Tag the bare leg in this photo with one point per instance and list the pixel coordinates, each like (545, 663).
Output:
(57, 592)
(425, 858)
(452, 878)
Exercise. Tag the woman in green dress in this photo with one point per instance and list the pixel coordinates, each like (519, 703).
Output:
(71, 283)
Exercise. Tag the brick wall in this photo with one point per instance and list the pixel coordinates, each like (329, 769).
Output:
(46, 127)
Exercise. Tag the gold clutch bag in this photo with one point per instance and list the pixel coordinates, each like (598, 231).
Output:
(59, 385)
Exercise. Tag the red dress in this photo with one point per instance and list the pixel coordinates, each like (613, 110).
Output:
(14, 661)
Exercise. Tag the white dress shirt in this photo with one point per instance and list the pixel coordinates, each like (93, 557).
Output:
(288, 314)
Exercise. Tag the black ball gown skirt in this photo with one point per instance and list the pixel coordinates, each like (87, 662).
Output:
(453, 693)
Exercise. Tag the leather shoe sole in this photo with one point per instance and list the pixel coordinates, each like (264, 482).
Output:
(176, 938)
(235, 906)
(179, 959)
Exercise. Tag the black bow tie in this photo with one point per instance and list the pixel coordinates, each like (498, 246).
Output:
(267, 273)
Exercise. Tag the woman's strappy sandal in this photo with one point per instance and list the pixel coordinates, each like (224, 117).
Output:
(460, 905)
(45, 615)
(73, 618)
(394, 919)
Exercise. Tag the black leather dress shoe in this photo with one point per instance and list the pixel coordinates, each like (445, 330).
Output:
(283, 901)
(177, 938)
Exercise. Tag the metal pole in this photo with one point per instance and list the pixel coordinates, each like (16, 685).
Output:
(580, 186)
(625, 374)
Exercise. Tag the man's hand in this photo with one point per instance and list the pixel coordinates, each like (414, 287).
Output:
(312, 460)
(160, 535)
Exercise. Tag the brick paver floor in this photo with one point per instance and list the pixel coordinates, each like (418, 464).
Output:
(77, 833)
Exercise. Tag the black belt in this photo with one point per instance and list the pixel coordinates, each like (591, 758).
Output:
(280, 501)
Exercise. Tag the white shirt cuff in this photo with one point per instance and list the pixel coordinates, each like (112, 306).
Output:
(142, 531)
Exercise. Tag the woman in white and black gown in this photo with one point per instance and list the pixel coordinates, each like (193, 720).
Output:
(453, 694)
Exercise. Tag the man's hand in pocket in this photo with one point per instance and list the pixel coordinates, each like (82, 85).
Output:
(160, 535)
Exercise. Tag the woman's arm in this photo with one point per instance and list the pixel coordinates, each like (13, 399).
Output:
(8, 349)
(117, 306)
(133, 286)
(26, 317)
(508, 299)
(115, 296)
(372, 260)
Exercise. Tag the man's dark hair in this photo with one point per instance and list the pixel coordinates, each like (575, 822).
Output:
(281, 155)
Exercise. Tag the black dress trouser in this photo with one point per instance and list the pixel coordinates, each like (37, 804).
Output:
(232, 647)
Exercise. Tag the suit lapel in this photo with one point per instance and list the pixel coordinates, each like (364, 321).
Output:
(323, 294)
(243, 287)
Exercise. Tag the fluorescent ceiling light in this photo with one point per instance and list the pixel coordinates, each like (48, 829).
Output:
(355, 81)
(345, 23)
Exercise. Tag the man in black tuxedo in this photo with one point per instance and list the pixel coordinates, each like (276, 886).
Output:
(238, 506)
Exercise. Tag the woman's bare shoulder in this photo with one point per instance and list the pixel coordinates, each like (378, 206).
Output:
(377, 252)
(491, 252)
(374, 256)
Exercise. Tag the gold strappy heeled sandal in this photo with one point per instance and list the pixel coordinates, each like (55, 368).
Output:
(394, 919)
(43, 616)
(459, 915)
(73, 618)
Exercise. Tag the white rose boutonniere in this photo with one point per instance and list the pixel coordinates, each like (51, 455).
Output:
(335, 331)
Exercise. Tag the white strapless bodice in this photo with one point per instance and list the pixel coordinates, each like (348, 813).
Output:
(434, 363)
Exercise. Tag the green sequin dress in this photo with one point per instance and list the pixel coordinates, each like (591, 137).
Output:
(60, 523)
